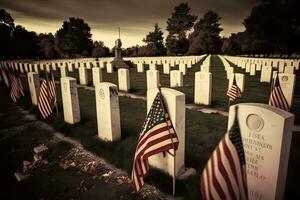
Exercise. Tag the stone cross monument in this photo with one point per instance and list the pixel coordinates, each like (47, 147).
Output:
(118, 62)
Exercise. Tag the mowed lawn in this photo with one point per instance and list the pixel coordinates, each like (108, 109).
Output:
(203, 131)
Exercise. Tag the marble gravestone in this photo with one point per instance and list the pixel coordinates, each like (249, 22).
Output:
(182, 68)
(252, 69)
(289, 70)
(97, 75)
(266, 134)
(248, 67)
(152, 79)
(83, 78)
(63, 71)
(140, 67)
(203, 88)
(287, 83)
(152, 66)
(108, 112)
(166, 68)
(124, 80)
(109, 68)
(70, 100)
(239, 79)
(175, 103)
(34, 86)
(176, 78)
(266, 74)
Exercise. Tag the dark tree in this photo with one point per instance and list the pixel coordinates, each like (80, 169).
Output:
(25, 43)
(180, 22)
(154, 40)
(47, 45)
(6, 28)
(273, 27)
(205, 38)
(99, 50)
(73, 39)
(131, 51)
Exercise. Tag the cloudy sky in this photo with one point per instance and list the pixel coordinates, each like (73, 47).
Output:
(135, 17)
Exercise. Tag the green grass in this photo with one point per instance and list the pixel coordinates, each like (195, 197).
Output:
(203, 131)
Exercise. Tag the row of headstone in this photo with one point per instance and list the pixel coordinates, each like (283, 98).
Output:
(266, 131)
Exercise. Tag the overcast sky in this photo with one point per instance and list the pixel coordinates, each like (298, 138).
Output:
(135, 17)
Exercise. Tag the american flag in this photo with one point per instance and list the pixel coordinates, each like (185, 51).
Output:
(157, 136)
(16, 87)
(277, 97)
(234, 92)
(47, 96)
(224, 176)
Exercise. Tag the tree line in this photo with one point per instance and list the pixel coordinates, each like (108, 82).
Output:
(272, 28)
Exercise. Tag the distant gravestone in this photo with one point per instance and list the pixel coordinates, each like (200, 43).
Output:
(109, 68)
(287, 83)
(108, 111)
(140, 67)
(266, 134)
(175, 103)
(34, 86)
(97, 75)
(166, 68)
(266, 74)
(124, 80)
(182, 68)
(203, 88)
(248, 67)
(239, 79)
(63, 71)
(152, 66)
(229, 72)
(152, 79)
(83, 78)
(289, 70)
(252, 69)
(281, 66)
(70, 100)
(176, 78)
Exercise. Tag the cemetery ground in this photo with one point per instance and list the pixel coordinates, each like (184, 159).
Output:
(53, 180)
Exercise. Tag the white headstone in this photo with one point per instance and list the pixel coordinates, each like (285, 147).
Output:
(63, 71)
(97, 75)
(152, 66)
(176, 78)
(175, 103)
(266, 134)
(83, 78)
(108, 111)
(252, 69)
(182, 68)
(34, 86)
(124, 80)
(109, 67)
(266, 74)
(166, 68)
(248, 67)
(203, 88)
(287, 83)
(140, 67)
(70, 100)
(239, 79)
(289, 70)
(152, 79)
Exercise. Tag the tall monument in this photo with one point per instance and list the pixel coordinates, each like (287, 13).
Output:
(118, 62)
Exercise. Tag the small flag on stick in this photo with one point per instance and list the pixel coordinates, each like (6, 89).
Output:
(157, 136)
